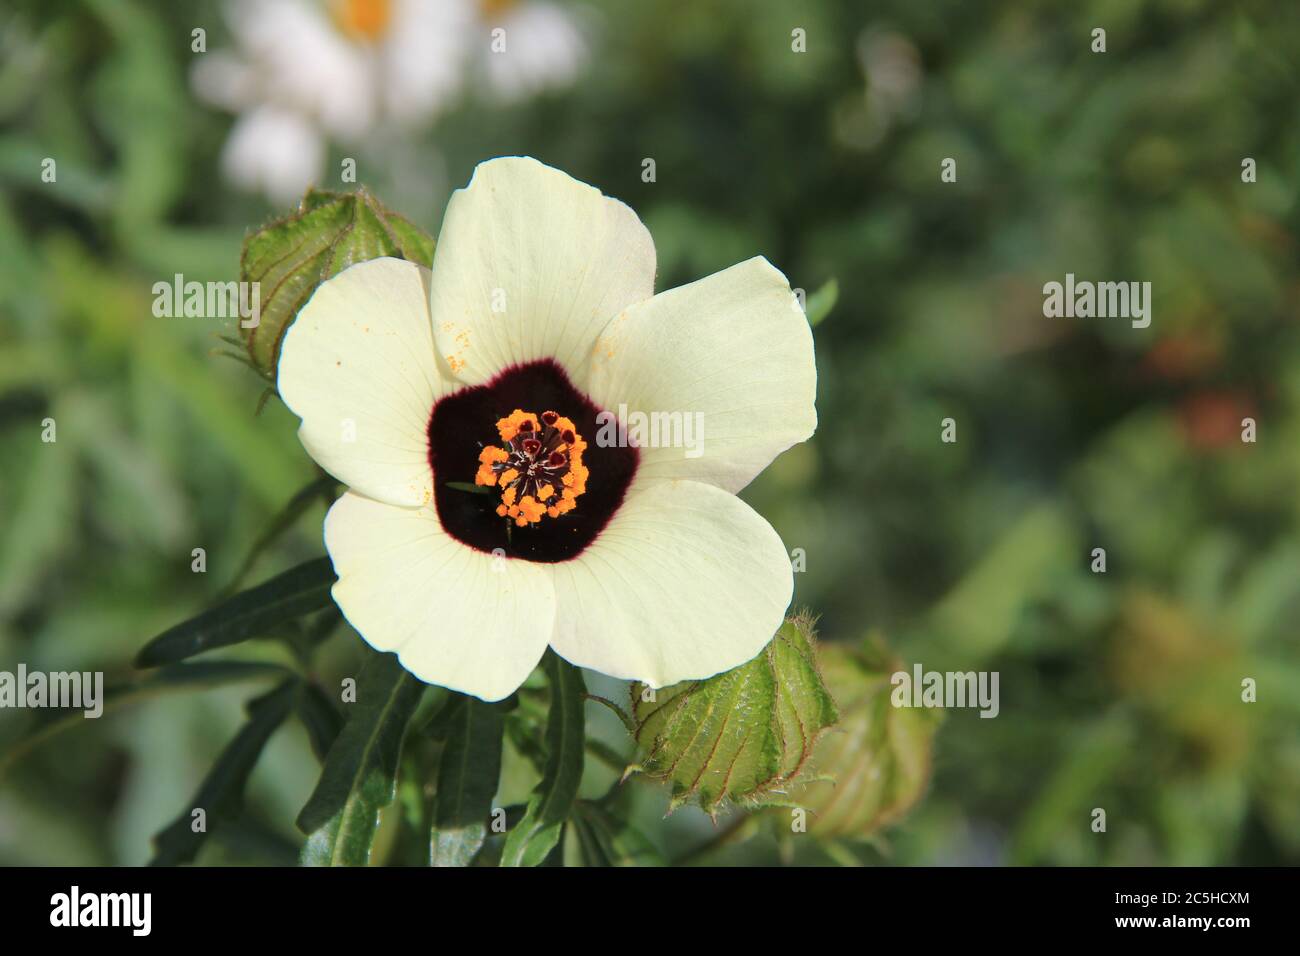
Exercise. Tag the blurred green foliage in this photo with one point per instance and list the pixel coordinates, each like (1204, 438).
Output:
(1119, 690)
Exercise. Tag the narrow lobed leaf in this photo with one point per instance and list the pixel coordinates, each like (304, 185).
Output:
(320, 718)
(605, 840)
(531, 841)
(360, 773)
(221, 795)
(248, 614)
(468, 774)
(169, 679)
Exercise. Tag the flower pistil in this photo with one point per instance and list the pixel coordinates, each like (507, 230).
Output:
(538, 466)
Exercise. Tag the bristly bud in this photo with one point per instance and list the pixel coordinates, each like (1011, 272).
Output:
(744, 736)
(876, 765)
(290, 257)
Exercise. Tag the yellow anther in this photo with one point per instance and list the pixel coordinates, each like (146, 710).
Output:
(540, 456)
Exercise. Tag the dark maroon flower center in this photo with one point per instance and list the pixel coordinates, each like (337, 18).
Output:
(462, 424)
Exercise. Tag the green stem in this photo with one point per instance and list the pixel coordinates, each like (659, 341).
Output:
(323, 487)
(628, 723)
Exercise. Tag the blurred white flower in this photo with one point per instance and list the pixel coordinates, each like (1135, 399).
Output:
(891, 66)
(543, 46)
(274, 151)
(306, 71)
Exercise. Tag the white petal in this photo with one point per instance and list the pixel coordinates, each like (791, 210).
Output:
(556, 258)
(358, 368)
(274, 151)
(424, 56)
(544, 48)
(224, 80)
(686, 581)
(305, 64)
(733, 354)
(456, 617)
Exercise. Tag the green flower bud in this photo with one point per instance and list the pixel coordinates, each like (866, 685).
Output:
(290, 257)
(744, 736)
(875, 766)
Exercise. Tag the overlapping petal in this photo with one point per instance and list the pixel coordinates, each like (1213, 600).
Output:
(357, 366)
(456, 617)
(733, 349)
(532, 264)
(687, 580)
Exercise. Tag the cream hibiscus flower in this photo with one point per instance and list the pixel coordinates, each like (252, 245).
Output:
(486, 518)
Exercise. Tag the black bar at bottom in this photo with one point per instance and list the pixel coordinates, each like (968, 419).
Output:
(214, 905)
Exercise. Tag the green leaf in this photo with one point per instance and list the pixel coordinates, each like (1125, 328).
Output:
(98, 298)
(745, 735)
(221, 795)
(39, 509)
(249, 614)
(467, 781)
(533, 838)
(290, 257)
(320, 718)
(821, 302)
(876, 765)
(360, 773)
(169, 679)
(605, 840)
